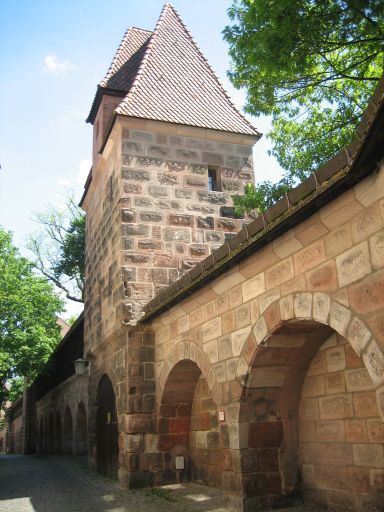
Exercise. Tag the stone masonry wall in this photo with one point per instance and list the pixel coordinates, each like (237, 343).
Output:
(341, 433)
(170, 219)
(326, 273)
(50, 430)
(150, 215)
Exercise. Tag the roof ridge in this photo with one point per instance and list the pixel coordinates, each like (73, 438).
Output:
(209, 66)
(142, 29)
(114, 66)
(144, 60)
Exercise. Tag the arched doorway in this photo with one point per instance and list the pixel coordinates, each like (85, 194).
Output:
(188, 429)
(51, 433)
(312, 421)
(40, 448)
(107, 445)
(81, 430)
(68, 432)
(58, 434)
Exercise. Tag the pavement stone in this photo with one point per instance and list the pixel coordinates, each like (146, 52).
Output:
(30, 483)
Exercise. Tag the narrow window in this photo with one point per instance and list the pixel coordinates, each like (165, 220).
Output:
(213, 181)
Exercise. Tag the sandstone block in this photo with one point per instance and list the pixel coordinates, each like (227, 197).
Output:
(253, 287)
(321, 306)
(286, 308)
(335, 358)
(224, 347)
(211, 350)
(371, 455)
(338, 241)
(368, 296)
(135, 175)
(238, 339)
(286, 244)
(380, 401)
(365, 224)
(358, 380)
(339, 317)
(376, 245)
(211, 329)
(230, 366)
(266, 299)
(340, 210)
(330, 430)
(279, 274)
(158, 190)
(228, 281)
(365, 404)
(268, 377)
(309, 257)
(303, 305)
(358, 335)
(177, 234)
(323, 278)
(375, 429)
(374, 361)
(318, 364)
(336, 407)
(309, 409)
(334, 383)
(355, 431)
(228, 322)
(377, 479)
(260, 330)
(353, 264)
(220, 372)
(313, 386)
(243, 316)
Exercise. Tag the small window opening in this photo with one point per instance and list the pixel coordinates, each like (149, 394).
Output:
(213, 179)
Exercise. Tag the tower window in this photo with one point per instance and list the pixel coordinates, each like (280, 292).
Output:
(213, 179)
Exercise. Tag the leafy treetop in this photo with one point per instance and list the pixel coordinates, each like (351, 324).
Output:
(311, 66)
(28, 314)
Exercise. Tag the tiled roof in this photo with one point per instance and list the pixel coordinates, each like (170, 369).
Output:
(175, 83)
(349, 166)
(127, 59)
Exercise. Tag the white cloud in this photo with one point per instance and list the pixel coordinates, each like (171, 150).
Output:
(83, 170)
(53, 65)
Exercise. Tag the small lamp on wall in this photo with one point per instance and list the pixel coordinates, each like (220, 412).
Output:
(80, 365)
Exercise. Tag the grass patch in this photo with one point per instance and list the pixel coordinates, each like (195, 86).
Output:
(156, 492)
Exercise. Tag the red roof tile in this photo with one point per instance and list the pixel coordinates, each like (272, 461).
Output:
(167, 78)
(128, 55)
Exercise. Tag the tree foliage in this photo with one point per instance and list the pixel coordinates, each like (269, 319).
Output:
(28, 309)
(310, 65)
(59, 248)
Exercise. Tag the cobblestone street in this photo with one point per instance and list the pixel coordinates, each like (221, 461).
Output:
(64, 484)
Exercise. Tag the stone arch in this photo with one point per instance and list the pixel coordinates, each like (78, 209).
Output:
(188, 424)
(186, 350)
(81, 430)
(58, 434)
(272, 368)
(40, 448)
(320, 308)
(51, 432)
(68, 432)
(107, 434)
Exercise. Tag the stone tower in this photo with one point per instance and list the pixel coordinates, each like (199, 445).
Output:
(169, 150)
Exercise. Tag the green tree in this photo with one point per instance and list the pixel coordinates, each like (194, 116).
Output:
(59, 248)
(28, 312)
(311, 66)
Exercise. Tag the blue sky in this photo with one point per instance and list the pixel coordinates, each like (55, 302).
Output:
(53, 54)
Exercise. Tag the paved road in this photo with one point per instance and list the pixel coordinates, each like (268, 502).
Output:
(64, 484)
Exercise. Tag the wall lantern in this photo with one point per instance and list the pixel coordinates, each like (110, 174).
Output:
(80, 365)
